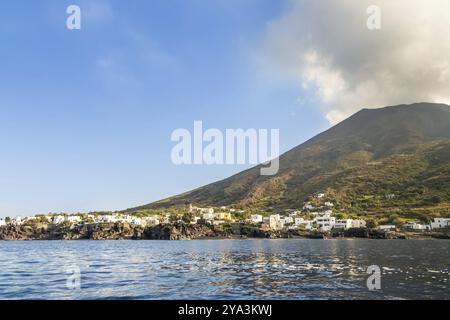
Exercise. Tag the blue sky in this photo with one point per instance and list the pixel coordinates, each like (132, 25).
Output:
(86, 116)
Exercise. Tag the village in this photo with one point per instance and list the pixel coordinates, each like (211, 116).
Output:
(321, 218)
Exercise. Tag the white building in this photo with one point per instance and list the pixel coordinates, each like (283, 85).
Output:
(343, 224)
(58, 219)
(208, 210)
(325, 223)
(324, 214)
(288, 220)
(208, 216)
(2, 222)
(307, 223)
(136, 221)
(320, 195)
(416, 226)
(440, 223)
(358, 224)
(386, 227)
(73, 219)
(279, 224)
(256, 218)
(17, 220)
(308, 206)
(294, 214)
(274, 222)
(329, 204)
(106, 219)
(390, 196)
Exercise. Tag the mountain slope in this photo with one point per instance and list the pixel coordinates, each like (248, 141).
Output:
(402, 151)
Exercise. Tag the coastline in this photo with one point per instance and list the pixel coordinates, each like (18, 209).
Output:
(182, 231)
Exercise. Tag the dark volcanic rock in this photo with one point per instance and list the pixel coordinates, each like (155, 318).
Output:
(182, 231)
(366, 233)
(178, 231)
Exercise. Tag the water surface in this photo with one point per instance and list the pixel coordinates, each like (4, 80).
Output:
(224, 269)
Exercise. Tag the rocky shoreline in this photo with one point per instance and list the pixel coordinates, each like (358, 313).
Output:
(181, 231)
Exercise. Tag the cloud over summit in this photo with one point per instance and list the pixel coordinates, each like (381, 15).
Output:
(327, 48)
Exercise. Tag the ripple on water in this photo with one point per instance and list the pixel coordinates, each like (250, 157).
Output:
(261, 269)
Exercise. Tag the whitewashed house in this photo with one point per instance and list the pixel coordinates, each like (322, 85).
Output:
(280, 224)
(17, 221)
(274, 221)
(123, 218)
(294, 214)
(136, 221)
(329, 204)
(256, 218)
(386, 227)
(58, 219)
(74, 219)
(416, 226)
(325, 223)
(106, 219)
(288, 220)
(307, 223)
(320, 195)
(324, 214)
(358, 224)
(209, 216)
(2, 222)
(308, 206)
(208, 210)
(343, 224)
(440, 223)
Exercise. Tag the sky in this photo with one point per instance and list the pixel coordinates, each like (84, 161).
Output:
(86, 116)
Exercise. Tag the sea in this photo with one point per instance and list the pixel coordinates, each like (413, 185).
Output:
(225, 269)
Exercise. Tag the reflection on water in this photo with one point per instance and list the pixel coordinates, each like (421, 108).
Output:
(225, 269)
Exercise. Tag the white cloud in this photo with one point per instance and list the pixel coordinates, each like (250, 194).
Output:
(326, 47)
